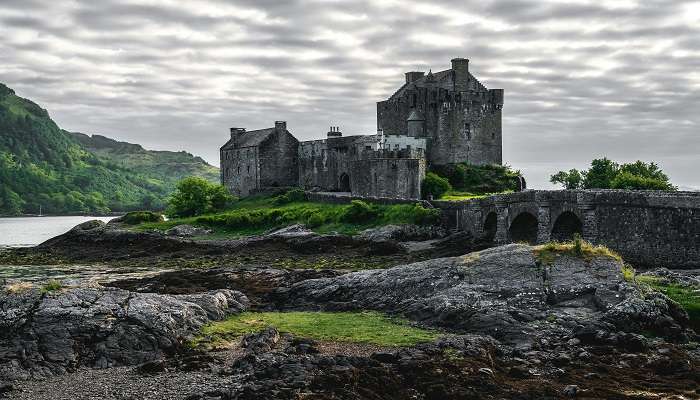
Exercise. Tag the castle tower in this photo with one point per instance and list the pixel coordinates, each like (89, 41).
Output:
(461, 117)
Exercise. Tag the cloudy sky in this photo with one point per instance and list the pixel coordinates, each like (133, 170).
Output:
(583, 79)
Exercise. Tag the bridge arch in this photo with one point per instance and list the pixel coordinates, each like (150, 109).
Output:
(565, 226)
(523, 228)
(490, 226)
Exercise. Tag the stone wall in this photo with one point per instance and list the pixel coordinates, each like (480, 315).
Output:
(387, 177)
(240, 170)
(278, 160)
(647, 228)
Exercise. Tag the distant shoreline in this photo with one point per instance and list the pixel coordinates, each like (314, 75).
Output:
(116, 214)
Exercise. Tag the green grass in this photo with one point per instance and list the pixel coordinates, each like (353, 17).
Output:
(454, 195)
(51, 285)
(258, 214)
(547, 253)
(687, 296)
(357, 327)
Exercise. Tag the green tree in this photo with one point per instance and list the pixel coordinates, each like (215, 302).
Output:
(607, 174)
(570, 180)
(434, 185)
(197, 196)
(627, 180)
(601, 174)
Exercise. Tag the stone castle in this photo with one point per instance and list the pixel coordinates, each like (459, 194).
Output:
(433, 119)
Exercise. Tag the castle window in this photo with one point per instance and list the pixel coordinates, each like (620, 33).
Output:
(239, 170)
(413, 100)
(468, 130)
(249, 169)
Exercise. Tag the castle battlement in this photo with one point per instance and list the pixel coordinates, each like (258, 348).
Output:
(435, 118)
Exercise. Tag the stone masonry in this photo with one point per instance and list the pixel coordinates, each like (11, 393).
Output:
(648, 228)
(442, 118)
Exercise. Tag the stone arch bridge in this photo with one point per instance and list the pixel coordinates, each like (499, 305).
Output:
(649, 229)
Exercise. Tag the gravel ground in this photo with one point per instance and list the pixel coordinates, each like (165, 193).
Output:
(124, 383)
(119, 383)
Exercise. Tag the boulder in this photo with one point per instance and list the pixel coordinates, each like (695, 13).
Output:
(187, 231)
(43, 334)
(404, 233)
(504, 292)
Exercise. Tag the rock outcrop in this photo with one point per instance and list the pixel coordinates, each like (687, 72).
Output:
(505, 292)
(46, 333)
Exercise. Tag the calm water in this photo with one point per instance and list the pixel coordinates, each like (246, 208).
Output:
(30, 231)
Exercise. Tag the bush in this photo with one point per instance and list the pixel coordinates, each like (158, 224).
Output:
(434, 185)
(137, 217)
(426, 216)
(292, 196)
(479, 179)
(359, 212)
(195, 196)
(51, 285)
(626, 180)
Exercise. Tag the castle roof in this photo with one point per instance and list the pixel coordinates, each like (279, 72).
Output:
(442, 79)
(249, 139)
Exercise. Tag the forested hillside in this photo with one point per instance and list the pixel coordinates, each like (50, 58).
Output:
(43, 166)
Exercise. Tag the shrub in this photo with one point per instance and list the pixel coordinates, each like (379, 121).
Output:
(315, 220)
(426, 216)
(292, 196)
(626, 180)
(434, 185)
(51, 285)
(480, 179)
(137, 217)
(195, 196)
(359, 212)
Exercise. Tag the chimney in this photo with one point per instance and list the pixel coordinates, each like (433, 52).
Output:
(414, 76)
(280, 126)
(335, 132)
(460, 71)
(236, 132)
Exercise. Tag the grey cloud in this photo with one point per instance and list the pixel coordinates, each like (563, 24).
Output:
(177, 76)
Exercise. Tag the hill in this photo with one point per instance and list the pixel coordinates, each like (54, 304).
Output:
(169, 165)
(42, 165)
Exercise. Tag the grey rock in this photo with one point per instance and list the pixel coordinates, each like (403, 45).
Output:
(52, 333)
(503, 292)
(187, 231)
(570, 391)
(403, 233)
(292, 231)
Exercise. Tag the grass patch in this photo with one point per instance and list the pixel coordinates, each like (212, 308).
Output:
(258, 214)
(52, 285)
(547, 253)
(687, 296)
(18, 287)
(455, 195)
(358, 327)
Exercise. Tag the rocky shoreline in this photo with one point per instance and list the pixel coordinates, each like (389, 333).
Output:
(513, 324)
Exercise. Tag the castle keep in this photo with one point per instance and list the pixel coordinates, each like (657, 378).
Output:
(435, 118)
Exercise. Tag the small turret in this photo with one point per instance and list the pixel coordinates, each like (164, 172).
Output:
(280, 126)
